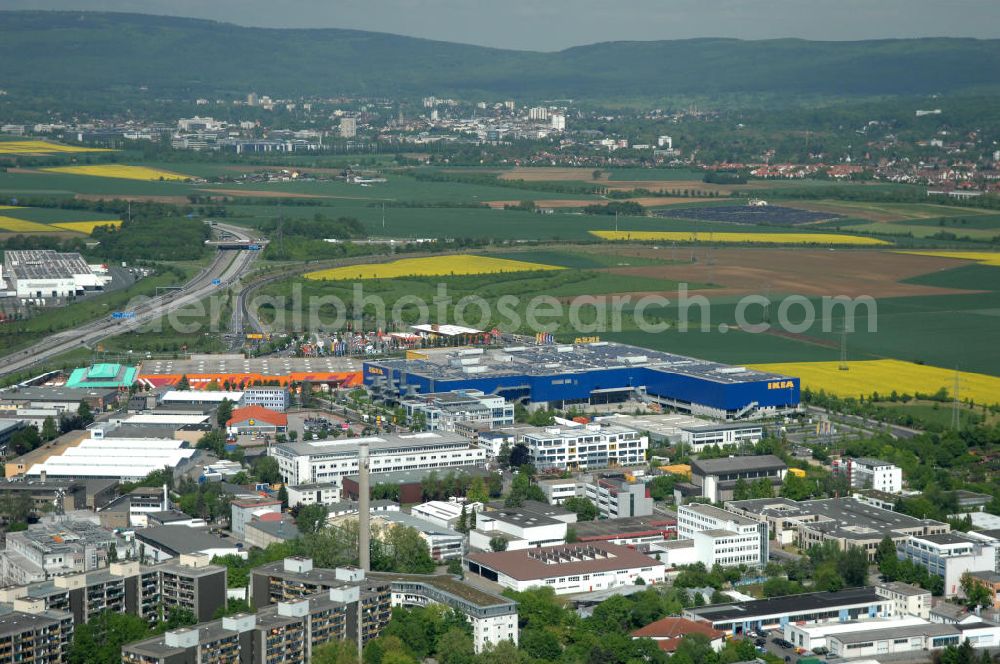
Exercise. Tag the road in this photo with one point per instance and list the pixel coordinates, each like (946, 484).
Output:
(224, 270)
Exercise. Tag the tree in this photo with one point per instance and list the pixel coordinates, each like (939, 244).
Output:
(521, 489)
(224, 412)
(49, 429)
(762, 488)
(463, 521)
(741, 491)
(796, 488)
(977, 595)
(455, 567)
(455, 646)
(266, 469)
(519, 455)
(852, 566)
(477, 492)
(584, 508)
(311, 519)
(503, 456)
(84, 413)
(541, 644)
(662, 487)
(183, 384)
(401, 549)
(337, 651)
(498, 544)
(827, 577)
(886, 559)
(100, 639)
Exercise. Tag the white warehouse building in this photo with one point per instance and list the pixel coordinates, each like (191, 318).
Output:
(125, 459)
(43, 273)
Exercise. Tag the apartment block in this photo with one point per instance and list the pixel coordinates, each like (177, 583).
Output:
(867, 473)
(584, 448)
(30, 638)
(617, 496)
(441, 411)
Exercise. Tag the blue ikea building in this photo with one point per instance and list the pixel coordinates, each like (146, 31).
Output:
(560, 375)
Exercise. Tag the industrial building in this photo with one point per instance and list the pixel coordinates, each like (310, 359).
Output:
(628, 531)
(329, 461)
(108, 456)
(162, 543)
(716, 479)
(441, 411)
(884, 642)
(521, 527)
(249, 372)
(43, 274)
(568, 568)
(563, 375)
(808, 608)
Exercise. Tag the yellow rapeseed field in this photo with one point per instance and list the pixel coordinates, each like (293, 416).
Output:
(984, 257)
(12, 225)
(43, 147)
(883, 376)
(749, 238)
(428, 267)
(87, 226)
(121, 171)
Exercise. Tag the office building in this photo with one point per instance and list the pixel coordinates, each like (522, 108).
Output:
(950, 555)
(692, 434)
(722, 538)
(445, 513)
(617, 496)
(441, 411)
(313, 494)
(595, 373)
(243, 511)
(867, 473)
(583, 448)
(529, 526)
(47, 550)
(272, 398)
(909, 600)
(329, 461)
(568, 568)
(557, 490)
(717, 478)
(847, 522)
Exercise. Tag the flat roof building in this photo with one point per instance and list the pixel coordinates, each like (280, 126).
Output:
(568, 568)
(105, 374)
(331, 460)
(30, 638)
(717, 478)
(808, 608)
(244, 372)
(601, 372)
(693, 433)
(43, 274)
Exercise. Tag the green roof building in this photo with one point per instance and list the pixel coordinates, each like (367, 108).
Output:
(103, 375)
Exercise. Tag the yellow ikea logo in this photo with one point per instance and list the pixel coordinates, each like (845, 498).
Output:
(376, 370)
(781, 385)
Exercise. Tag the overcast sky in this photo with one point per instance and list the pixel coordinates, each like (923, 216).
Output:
(555, 24)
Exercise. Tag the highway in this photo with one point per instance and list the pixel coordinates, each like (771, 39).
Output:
(224, 270)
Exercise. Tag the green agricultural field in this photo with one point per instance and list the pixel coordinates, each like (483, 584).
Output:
(652, 174)
(923, 231)
(959, 222)
(967, 277)
(56, 215)
(66, 185)
(934, 414)
(581, 260)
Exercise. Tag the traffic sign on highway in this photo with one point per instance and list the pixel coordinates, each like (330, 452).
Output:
(119, 315)
(253, 247)
(216, 282)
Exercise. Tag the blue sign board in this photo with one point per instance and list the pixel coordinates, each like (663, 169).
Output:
(119, 315)
(216, 282)
(254, 247)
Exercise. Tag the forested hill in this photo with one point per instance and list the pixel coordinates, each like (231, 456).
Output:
(67, 52)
